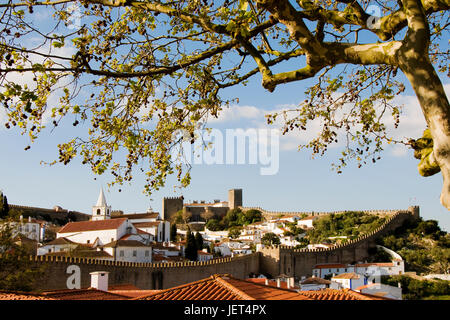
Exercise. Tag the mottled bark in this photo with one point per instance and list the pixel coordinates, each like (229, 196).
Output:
(413, 60)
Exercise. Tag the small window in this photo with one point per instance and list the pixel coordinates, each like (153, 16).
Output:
(98, 211)
(134, 253)
(121, 253)
(88, 241)
(147, 253)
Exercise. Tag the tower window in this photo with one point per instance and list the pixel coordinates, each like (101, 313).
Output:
(98, 211)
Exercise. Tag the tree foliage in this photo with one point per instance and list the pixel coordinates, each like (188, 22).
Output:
(423, 245)
(17, 271)
(132, 74)
(270, 239)
(190, 251)
(234, 218)
(414, 289)
(349, 224)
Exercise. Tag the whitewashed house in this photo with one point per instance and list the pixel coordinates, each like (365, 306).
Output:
(203, 256)
(57, 245)
(322, 270)
(128, 250)
(99, 232)
(30, 228)
(314, 283)
(224, 249)
(349, 280)
(382, 290)
(151, 223)
(307, 222)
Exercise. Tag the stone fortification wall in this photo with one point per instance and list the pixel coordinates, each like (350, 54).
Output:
(142, 275)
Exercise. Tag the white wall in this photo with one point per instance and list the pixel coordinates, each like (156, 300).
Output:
(127, 254)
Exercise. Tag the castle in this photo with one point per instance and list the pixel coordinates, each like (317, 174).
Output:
(171, 205)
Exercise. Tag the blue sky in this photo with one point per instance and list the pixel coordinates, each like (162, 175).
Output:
(301, 184)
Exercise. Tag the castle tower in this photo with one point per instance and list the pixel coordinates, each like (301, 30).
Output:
(234, 198)
(101, 211)
(171, 206)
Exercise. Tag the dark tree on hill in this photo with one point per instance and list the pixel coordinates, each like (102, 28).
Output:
(199, 241)
(190, 252)
(5, 206)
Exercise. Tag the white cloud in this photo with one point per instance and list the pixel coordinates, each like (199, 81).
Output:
(412, 123)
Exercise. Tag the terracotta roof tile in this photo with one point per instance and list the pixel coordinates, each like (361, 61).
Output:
(151, 215)
(350, 275)
(9, 295)
(345, 294)
(125, 243)
(272, 283)
(330, 266)
(224, 287)
(84, 294)
(133, 293)
(146, 224)
(315, 280)
(377, 264)
(92, 225)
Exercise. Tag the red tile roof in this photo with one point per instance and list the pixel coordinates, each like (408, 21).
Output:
(344, 294)
(378, 264)
(84, 294)
(125, 243)
(110, 224)
(131, 216)
(315, 280)
(350, 275)
(59, 241)
(329, 266)
(224, 287)
(272, 283)
(9, 295)
(125, 286)
(146, 224)
(134, 293)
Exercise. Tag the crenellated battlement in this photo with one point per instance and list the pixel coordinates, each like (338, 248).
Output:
(157, 265)
(272, 214)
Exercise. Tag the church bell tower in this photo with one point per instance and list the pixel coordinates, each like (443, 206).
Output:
(101, 211)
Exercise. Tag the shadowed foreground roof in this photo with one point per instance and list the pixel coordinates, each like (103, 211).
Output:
(224, 287)
(84, 294)
(6, 295)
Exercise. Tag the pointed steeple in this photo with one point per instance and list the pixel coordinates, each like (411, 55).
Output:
(101, 202)
(101, 211)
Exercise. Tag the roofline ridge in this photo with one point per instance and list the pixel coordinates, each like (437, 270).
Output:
(233, 289)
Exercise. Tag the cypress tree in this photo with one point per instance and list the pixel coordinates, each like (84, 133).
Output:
(173, 232)
(190, 251)
(199, 241)
(5, 207)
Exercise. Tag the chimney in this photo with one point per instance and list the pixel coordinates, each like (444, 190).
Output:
(399, 285)
(99, 280)
(288, 283)
(267, 282)
(291, 282)
(278, 282)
